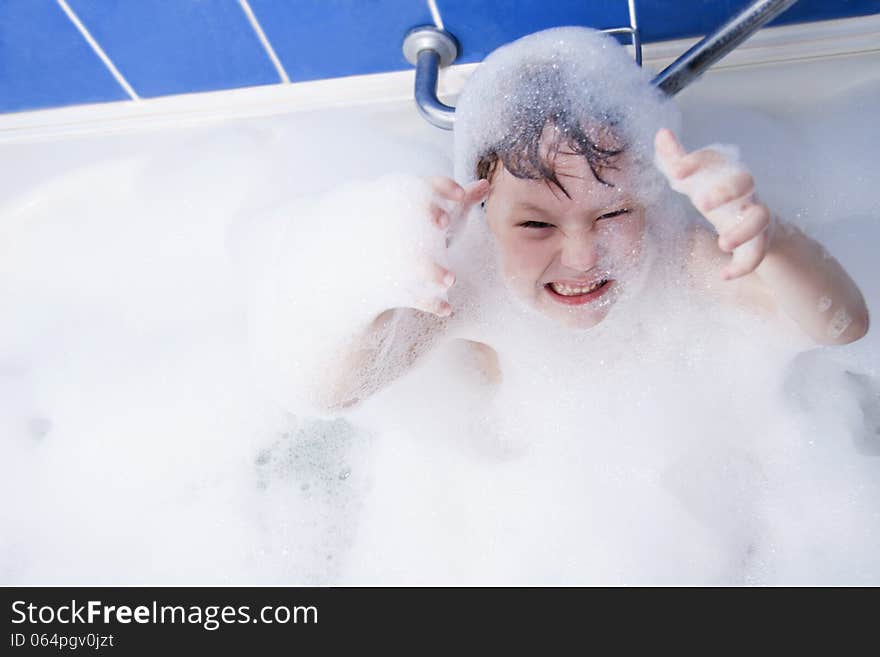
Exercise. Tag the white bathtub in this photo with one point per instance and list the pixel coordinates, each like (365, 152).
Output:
(131, 453)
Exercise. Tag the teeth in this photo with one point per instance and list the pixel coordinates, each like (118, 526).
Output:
(569, 291)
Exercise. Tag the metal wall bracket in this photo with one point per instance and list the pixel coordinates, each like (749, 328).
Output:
(428, 48)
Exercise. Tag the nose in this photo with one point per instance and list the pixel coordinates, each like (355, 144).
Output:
(580, 252)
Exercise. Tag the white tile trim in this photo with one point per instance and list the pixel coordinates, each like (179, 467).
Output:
(99, 51)
(270, 51)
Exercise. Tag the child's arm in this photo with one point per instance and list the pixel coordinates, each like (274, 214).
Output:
(397, 337)
(807, 283)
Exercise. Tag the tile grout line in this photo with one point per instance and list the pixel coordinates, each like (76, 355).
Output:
(98, 50)
(435, 14)
(255, 24)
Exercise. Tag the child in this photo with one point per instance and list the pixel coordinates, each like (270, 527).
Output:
(560, 153)
(555, 424)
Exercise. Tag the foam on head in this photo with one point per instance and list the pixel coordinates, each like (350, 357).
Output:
(573, 90)
(570, 78)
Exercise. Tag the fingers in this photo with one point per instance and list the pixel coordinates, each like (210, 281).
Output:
(746, 258)
(736, 185)
(439, 216)
(724, 193)
(748, 237)
(431, 286)
(438, 307)
(753, 220)
(439, 275)
(668, 149)
(474, 193)
(718, 186)
(447, 188)
(677, 163)
(449, 202)
(691, 163)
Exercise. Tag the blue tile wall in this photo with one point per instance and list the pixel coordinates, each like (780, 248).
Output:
(484, 25)
(180, 46)
(317, 40)
(176, 46)
(44, 61)
(481, 27)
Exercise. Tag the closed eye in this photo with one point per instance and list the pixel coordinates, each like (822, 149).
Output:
(535, 224)
(611, 215)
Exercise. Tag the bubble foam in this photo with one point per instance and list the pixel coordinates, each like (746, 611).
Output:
(566, 77)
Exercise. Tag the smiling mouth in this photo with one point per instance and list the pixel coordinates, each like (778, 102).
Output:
(577, 294)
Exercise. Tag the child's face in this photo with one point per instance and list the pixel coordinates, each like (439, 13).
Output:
(570, 258)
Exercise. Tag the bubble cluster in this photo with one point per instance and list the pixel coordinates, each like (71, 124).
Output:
(170, 315)
(575, 80)
(369, 245)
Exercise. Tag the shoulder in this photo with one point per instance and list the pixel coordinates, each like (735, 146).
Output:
(474, 363)
(486, 361)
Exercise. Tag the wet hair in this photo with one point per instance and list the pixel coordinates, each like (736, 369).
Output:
(529, 149)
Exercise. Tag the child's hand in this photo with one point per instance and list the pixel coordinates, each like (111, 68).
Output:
(450, 201)
(724, 192)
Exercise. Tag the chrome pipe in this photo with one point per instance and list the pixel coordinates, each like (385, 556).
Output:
(634, 26)
(429, 48)
(430, 107)
(716, 45)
